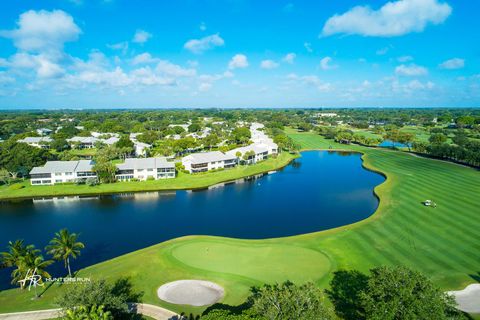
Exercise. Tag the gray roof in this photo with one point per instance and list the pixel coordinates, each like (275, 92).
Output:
(257, 148)
(83, 139)
(145, 163)
(35, 139)
(204, 157)
(64, 166)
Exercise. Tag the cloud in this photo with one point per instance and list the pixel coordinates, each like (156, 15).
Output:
(325, 64)
(123, 46)
(141, 36)
(455, 63)
(204, 86)
(382, 51)
(198, 46)
(405, 58)
(289, 57)
(268, 64)
(43, 31)
(310, 80)
(203, 26)
(308, 46)
(412, 70)
(395, 18)
(144, 58)
(167, 68)
(238, 61)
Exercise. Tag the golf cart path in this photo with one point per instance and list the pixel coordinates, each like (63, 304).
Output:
(141, 308)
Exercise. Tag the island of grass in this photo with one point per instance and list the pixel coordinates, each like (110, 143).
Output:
(182, 181)
(440, 242)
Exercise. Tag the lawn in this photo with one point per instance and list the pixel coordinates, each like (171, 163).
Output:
(444, 242)
(182, 181)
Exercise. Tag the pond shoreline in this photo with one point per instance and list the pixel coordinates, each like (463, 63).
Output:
(107, 192)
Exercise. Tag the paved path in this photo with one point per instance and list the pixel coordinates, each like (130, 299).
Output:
(468, 299)
(146, 309)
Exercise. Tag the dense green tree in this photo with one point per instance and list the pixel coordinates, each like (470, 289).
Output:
(18, 157)
(59, 145)
(105, 170)
(241, 135)
(437, 138)
(288, 301)
(401, 293)
(87, 313)
(194, 127)
(65, 246)
(113, 296)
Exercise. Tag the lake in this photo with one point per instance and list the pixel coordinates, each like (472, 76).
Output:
(320, 190)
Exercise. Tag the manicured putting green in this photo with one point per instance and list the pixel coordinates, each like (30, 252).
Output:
(260, 262)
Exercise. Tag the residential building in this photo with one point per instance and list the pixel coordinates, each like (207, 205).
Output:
(141, 148)
(145, 168)
(38, 142)
(44, 131)
(54, 172)
(83, 142)
(259, 153)
(205, 161)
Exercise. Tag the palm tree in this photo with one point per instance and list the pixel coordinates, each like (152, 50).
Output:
(11, 258)
(63, 246)
(33, 264)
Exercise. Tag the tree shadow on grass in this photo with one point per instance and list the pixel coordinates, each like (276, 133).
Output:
(344, 292)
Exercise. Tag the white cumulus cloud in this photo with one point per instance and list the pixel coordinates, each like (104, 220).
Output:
(43, 31)
(141, 36)
(395, 18)
(289, 57)
(455, 63)
(268, 64)
(325, 64)
(144, 58)
(238, 61)
(411, 70)
(201, 45)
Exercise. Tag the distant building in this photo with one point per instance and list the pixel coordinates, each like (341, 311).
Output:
(44, 131)
(326, 114)
(38, 142)
(141, 148)
(145, 168)
(206, 161)
(54, 172)
(83, 142)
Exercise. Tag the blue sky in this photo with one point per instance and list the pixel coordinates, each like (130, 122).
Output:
(239, 53)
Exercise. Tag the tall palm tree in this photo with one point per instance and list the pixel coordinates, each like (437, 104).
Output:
(63, 246)
(16, 250)
(32, 264)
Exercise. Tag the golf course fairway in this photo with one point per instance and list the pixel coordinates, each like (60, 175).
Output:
(442, 242)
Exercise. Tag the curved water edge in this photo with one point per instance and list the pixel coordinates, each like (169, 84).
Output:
(260, 207)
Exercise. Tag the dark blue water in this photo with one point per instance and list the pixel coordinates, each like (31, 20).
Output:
(318, 191)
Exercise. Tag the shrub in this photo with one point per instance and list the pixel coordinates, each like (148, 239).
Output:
(91, 182)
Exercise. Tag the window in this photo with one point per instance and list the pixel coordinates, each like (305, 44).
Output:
(149, 170)
(58, 174)
(68, 173)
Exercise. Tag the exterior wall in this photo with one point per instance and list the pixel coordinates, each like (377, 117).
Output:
(60, 177)
(144, 174)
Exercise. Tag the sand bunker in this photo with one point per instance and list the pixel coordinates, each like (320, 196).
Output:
(191, 292)
(468, 299)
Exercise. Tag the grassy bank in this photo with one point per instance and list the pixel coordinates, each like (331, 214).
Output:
(443, 242)
(183, 181)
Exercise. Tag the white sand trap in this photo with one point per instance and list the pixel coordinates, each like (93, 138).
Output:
(468, 299)
(191, 292)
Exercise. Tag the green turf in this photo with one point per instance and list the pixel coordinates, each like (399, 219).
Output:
(443, 242)
(182, 181)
